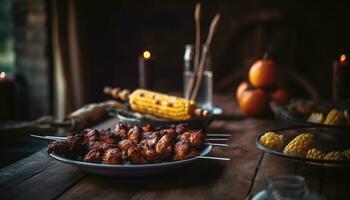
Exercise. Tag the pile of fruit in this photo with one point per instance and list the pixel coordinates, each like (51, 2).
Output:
(303, 145)
(253, 96)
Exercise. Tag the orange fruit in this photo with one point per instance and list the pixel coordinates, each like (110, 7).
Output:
(263, 73)
(254, 102)
(280, 96)
(243, 86)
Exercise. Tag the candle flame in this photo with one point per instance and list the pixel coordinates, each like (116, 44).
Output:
(343, 58)
(146, 54)
(2, 75)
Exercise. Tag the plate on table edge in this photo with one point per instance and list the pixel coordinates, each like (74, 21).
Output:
(281, 112)
(303, 159)
(129, 169)
(195, 123)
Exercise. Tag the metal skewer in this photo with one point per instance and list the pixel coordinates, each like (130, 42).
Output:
(216, 139)
(218, 135)
(216, 144)
(55, 138)
(213, 158)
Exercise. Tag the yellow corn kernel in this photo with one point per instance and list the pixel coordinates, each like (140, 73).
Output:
(334, 155)
(334, 117)
(315, 154)
(346, 153)
(300, 145)
(161, 105)
(272, 140)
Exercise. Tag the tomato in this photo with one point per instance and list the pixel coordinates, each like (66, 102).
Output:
(263, 73)
(241, 88)
(254, 102)
(280, 96)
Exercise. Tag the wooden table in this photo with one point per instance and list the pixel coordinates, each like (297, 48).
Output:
(39, 177)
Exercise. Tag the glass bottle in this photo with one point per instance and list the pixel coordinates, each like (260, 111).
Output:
(205, 92)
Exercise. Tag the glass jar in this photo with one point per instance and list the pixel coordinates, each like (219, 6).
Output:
(289, 187)
(205, 92)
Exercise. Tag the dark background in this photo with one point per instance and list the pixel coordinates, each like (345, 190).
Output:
(304, 36)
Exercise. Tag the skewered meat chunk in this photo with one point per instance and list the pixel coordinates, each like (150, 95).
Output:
(59, 147)
(181, 128)
(196, 138)
(121, 130)
(184, 150)
(108, 137)
(77, 145)
(164, 146)
(94, 156)
(134, 134)
(113, 156)
(135, 156)
(147, 128)
(92, 135)
(169, 132)
(99, 145)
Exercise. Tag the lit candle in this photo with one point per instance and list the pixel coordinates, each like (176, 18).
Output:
(146, 69)
(7, 96)
(341, 76)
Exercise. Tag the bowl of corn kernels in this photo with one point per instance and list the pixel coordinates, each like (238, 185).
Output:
(324, 114)
(312, 145)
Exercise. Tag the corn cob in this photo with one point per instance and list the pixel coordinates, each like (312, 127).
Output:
(346, 153)
(334, 155)
(315, 154)
(334, 117)
(316, 117)
(161, 105)
(272, 140)
(300, 145)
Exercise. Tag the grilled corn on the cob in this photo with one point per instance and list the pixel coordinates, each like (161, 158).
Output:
(315, 154)
(161, 105)
(316, 117)
(334, 117)
(346, 153)
(334, 155)
(272, 140)
(300, 145)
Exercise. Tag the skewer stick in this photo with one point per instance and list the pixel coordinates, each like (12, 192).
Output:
(218, 135)
(216, 139)
(216, 144)
(197, 20)
(53, 138)
(213, 158)
(212, 30)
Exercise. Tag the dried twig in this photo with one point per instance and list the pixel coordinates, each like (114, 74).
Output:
(199, 74)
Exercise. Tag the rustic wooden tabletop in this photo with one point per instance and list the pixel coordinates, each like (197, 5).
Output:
(39, 177)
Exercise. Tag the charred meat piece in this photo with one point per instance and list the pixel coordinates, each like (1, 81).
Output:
(59, 147)
(147, 128)
(108, 137)
(121, 130)
(151, 139)
(196, 138)
(77, 145)
(113, 156)
(134, 134)
(99, 145)
(135, 156)
(94, 156)
(92, 135)
(184, 150)
(181, 128)
(164, 146)
(169, 132)
(126, 144)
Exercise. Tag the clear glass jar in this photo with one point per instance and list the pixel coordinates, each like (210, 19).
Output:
(289, 187)
(205, 92)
